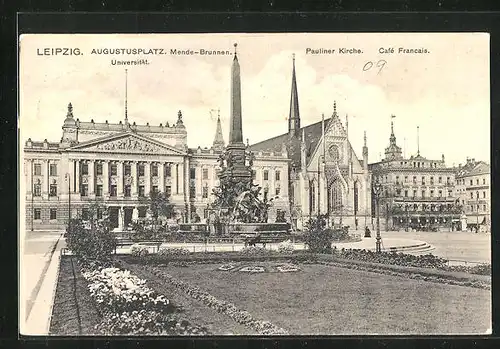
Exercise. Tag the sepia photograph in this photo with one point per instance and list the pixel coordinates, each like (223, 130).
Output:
(270, 184)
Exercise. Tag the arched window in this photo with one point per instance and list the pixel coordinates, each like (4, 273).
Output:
(312, 197)
(356, 197)
(335, 196)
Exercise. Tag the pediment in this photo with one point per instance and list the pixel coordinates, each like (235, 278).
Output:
(127, 143)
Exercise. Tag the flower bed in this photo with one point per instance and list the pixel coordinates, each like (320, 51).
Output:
(138, 250)
(405, 260)
(253, 269)
(286, 268)
(481, 269)
(227, 267)
(286, 247)
(253, 251)
(129, 307)
(172, 251)
(425, 274)
(229, 309)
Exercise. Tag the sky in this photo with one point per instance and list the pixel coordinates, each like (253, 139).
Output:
(444, 91)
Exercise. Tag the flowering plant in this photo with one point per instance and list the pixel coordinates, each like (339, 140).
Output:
(173, 251)
(254, 250)
(227, 267)
(285, 268)
(286, 247)
(144, 322)
(138, 250)
(402, 259)
(253, 269)
(118, 291)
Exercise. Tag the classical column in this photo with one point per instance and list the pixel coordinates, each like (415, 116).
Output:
(284, 182)
(29, 173)
(135, 180)
(180, 177)
(198, 180)
(147, 178)
(91, 177)
(187, 190)
(121, 217)
(161, 177)
(119, 179)
(173, 177)
(45, 174)
(272, 180)
(76, 189)
(105, 178)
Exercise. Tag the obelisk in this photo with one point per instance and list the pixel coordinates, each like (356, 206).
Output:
(235, 150)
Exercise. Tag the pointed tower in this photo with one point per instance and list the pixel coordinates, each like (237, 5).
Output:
(365, 155)
(219, 138)
(70, 133)
(294, 115)
(393, 152)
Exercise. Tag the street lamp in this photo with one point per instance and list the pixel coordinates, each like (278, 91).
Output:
(377, 189)
(68, 178)
(407, 217)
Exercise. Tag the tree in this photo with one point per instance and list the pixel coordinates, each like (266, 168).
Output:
(318, 237)
(90, 237)
(159, 204)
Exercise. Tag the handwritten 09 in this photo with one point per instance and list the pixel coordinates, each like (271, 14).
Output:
(380, 65)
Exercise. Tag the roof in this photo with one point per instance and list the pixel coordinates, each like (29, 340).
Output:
(472, 168)
(312, 132)
(479, 169)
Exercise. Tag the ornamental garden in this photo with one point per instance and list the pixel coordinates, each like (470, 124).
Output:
(166, 291)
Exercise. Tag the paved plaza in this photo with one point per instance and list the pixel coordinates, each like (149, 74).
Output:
(460, 246)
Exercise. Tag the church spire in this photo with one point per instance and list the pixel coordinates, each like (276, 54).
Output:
(219, 139)
(294, 116)
(393, 151)
(235, 127)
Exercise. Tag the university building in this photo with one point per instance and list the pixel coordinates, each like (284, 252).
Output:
(416, 192)
(473, 191)
(120, 163)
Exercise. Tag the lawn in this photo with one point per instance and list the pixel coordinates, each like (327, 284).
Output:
(74, 311)
(327, 300)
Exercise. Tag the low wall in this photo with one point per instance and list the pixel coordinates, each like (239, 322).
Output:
(242, 228)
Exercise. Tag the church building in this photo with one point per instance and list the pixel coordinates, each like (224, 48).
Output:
(325, 175)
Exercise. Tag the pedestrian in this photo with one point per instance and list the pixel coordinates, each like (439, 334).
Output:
(367, 232)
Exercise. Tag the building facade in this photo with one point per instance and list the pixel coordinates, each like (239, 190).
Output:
(416, 192)
(325, 175)
(473, 191)
(119, 164)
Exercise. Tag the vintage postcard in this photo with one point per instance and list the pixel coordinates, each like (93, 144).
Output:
(254, 184)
